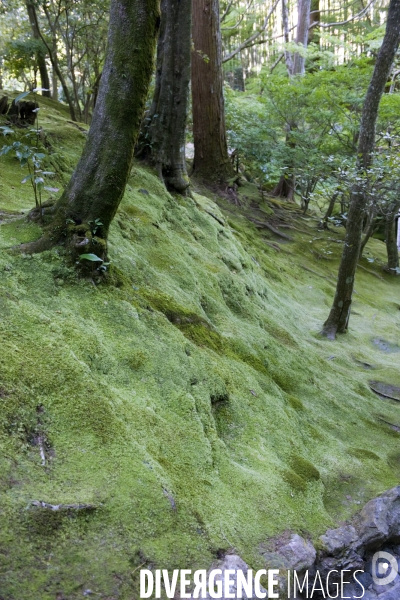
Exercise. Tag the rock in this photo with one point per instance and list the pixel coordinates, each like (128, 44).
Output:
(299, 553)
(235, 563)
(379, 520)
(392, 594)
(335, 541)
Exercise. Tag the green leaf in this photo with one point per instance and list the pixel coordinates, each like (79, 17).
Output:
(91, 257)
(6, 130)
(20, 96)
(27, 178)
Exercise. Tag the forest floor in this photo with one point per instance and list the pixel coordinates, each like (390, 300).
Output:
(188, 405)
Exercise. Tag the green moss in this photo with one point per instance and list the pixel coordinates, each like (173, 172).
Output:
(202, 336)
(363, 454)
(304, 469)
(296, 482)
(295, 403)
(180, 394)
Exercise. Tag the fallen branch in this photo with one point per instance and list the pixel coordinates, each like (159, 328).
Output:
(55, 507)
(271, 228)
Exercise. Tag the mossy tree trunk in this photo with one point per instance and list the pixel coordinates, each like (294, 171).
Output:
(211, 159)
(391, 239)
(41, 59)
(338, 319)
(98, 182)
(163, 136)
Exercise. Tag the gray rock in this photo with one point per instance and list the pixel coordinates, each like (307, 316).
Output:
(336, 540)
(392, 594)
(298, 553)
(235, 563)
(379, 520)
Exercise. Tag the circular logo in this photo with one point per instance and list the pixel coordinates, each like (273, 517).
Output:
(384, 568)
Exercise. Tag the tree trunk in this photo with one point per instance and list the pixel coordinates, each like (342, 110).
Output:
(98, 182)
(164, 133)
(338, 319)
(315, 17)
(295, 65)
(211, 159)
(391, 239)
(370, 228)
(286, 34)
(54, 81)
(54, 63)
(303, 23)
(41, 60)
(329, 210)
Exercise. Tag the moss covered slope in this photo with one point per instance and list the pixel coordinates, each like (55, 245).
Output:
(190, 402)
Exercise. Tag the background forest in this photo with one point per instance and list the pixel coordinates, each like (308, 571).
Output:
(195, 199)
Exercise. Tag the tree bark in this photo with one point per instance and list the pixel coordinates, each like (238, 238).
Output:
(295, 65)
(41, 60)
(303, 23)
(98, 182)
(163, 135)
(391, 239)
(211, 159)
(338, 319)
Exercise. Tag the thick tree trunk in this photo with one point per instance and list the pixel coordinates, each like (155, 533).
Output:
(391, 239)
(164, 132)
(211, 159)
(98, 182)
(44, 75)
(338, 319)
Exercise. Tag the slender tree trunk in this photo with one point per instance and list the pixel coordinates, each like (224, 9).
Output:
(369, 230)
(164, 132)
(315, 17)
(295, 65)
(286, 34)
(211, 159)
(338, 319)
(54, 63)
(303, 23)
(54, 80)
(391, 239)
(329, 210)
(98, 182)
(41, 60)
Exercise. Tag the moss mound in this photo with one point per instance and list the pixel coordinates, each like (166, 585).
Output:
(181, 398)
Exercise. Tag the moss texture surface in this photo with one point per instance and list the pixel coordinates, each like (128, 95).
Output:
(190, 400)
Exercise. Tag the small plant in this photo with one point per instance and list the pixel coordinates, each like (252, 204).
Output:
(30, 157)
(94, 258)
(94, 225)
